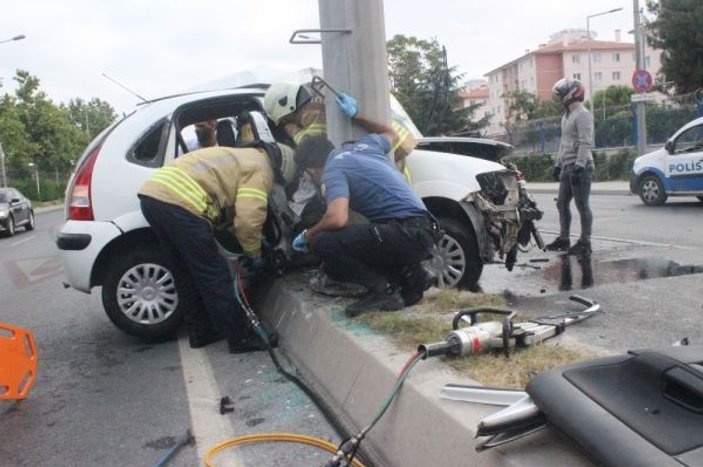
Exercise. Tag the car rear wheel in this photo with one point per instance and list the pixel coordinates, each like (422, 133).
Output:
(140, 295)
(30, 222)
(651, 191)
(456, 260)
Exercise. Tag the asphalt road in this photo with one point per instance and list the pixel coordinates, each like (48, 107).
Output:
(104, 398)
(646, 273)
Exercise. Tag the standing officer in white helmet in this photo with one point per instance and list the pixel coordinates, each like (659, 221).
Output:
(573, 168)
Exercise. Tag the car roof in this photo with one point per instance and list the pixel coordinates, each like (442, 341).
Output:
(185, 97)
(465, 139)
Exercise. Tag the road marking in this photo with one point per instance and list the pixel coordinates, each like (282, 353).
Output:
(208, 426)
(625, 240)
(25, 272)
(24, 240)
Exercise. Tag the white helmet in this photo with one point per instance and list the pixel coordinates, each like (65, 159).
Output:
(569, 90)
(282, 99)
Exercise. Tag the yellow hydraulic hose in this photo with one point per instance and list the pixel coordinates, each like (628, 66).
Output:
(272, 437)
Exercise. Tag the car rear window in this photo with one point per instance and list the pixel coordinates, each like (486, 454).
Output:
(149, 149)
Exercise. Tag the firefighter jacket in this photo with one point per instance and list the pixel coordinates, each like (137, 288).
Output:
(227, 186)
(310, 121)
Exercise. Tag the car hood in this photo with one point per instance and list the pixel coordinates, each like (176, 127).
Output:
(447, 175)
(4, 206)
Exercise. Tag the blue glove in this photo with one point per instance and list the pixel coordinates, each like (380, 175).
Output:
(348, 105)
(300, 243)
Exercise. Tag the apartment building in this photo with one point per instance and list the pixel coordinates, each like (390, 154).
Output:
(566, 54)
(476, 93)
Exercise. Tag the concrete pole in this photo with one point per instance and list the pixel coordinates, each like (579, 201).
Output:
(355, 63)
(640, 108)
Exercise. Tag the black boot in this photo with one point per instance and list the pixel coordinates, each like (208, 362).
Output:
(560, 244)
(581, 248)
(246, 343)
(413, 283)
(200, 337)
(389, 300)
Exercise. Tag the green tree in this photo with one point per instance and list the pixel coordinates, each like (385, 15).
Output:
(91, 117)
(676, 31)
(612, 100)
(549, 109)
(522, 105)
(35, 130)
(428, 88)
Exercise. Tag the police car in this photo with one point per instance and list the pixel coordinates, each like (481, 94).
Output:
(674, 170)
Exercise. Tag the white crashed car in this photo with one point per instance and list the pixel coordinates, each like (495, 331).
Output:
(106, 242)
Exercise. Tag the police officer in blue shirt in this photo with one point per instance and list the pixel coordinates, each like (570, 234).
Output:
(385, 254)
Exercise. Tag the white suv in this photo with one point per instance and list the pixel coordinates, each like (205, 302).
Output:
(106, 242)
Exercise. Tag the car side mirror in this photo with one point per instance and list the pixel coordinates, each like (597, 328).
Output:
(669, 146)
(14, 200)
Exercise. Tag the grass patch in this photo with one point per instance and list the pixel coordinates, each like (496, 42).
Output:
(432, 321)
(446, 300)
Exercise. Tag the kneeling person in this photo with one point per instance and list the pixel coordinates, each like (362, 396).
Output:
(385, 253)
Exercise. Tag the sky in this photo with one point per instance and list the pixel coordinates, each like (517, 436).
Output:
(160, 47)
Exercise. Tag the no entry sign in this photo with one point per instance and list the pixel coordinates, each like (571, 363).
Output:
(642, 80)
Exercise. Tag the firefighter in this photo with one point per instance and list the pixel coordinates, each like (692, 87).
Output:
(293, 108)
(385, 254)
(184, 201)
(300, 113)
(574, 168)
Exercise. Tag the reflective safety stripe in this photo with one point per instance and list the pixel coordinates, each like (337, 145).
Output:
(245, 192)
(402, 134)
(406, 174)
(252, 246)
(183, 185)
(316, 129)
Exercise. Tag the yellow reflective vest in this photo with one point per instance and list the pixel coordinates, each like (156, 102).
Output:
(311, 121)
(226, 186)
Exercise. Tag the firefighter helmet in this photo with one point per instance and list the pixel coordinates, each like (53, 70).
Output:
(282, 99)
(569, 90)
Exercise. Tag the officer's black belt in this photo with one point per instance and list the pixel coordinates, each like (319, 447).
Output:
(418, 222)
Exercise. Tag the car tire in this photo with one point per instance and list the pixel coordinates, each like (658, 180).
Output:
(456, 260)
(30, 222)
(140, 295)
(651, 191)
(10, 227)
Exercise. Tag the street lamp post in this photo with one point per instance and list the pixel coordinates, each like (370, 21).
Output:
(16, 38)
(36, 176)
(2, 166)
(588, 38)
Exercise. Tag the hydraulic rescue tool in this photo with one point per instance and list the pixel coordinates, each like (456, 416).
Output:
(477, 338)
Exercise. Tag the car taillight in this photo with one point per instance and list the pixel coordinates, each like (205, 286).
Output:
(80, 206)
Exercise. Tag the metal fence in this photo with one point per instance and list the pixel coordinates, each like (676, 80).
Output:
(36, 184)
(613, 127)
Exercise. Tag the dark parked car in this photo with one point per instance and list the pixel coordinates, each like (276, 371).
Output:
(15, 211)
